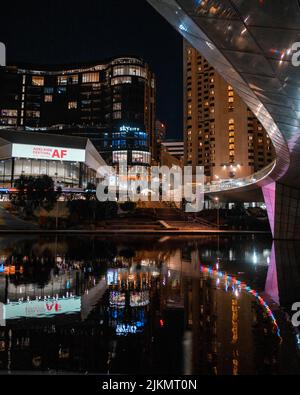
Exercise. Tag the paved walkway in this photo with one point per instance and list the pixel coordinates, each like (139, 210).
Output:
(133, 231)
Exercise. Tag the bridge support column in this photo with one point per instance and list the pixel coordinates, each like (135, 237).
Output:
(283, 206)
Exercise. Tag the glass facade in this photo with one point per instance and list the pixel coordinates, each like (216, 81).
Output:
(131, 139)
(73, 174)
(132, 157)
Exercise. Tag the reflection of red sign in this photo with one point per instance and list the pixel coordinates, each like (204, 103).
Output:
(42, 308)
(55, 305)
(47, 307)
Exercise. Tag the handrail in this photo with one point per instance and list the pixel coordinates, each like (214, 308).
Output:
(225, 185)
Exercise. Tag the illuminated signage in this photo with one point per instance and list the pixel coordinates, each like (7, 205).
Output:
(48, 153)
(42, 308)
(124, 128)
(123, 329)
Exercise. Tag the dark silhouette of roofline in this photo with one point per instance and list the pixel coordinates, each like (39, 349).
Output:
(69, 66)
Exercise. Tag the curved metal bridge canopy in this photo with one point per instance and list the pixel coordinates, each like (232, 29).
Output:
(250, 44)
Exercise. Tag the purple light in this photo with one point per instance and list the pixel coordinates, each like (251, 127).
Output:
(269, 192)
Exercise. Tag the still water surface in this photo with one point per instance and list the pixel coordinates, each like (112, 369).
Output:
(204, 305)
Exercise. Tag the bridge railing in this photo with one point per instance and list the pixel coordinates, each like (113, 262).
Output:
(224, 185)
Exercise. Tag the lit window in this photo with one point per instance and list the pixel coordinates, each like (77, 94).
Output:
(73, 79)
(72, 105)
(129, 70)
(37, 80)
(48, 98)
(117, 115)
(32, 114)
(62, 80)
(9, 121)
(117, 106)
(138, 71)
(9, 113)
(141, 157)
(90, 77)
(119, 156)
(121, 80)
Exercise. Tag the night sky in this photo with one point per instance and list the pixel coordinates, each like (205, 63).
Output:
(68, 31)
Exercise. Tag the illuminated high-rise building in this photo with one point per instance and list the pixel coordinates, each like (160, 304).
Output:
(112, 103)
(220, 132)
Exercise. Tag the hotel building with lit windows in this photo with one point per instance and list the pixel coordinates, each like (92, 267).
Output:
(111, 103)
(220, 132)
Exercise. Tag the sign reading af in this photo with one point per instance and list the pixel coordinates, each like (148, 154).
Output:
(60, 154)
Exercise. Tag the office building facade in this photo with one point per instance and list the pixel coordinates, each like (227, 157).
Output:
(220, 132)
(112, 103)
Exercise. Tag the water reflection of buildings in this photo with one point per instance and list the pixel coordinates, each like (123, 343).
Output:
(223, 317)
(153, 310)
(45, 300)
(129, 299)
